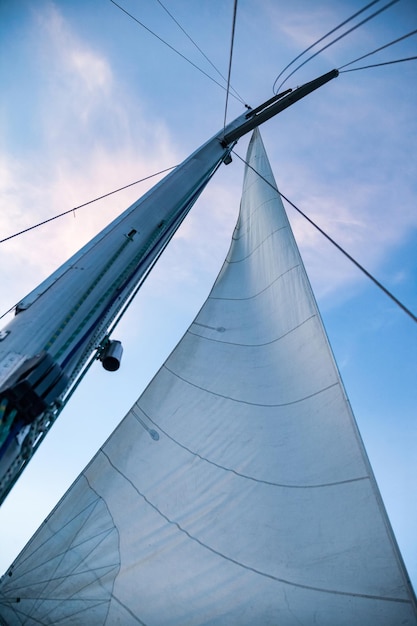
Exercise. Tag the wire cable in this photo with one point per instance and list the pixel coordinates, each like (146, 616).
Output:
(230, 60)
(322, 39)
(391, 43)
(200, 50)
(365, 67)
(110, 193)
(339, 247)
(350, 30)
(170, 47)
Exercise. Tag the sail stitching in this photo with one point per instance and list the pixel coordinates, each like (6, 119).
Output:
(254, 210)
(118, 538)
(40, 547)
(109, 567)
(250, 345)
(40, 599)
(77, 611)
(22, 615)
(220, 395)
(128, 610)
(243, 565)
(258, 246)
(106, 533)
(248, 189)
(246, 476)
(259, 292)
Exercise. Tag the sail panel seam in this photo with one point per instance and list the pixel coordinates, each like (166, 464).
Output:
(256, 247)
(250, 345)
(210, 297)
(244, 222)
(220, 395)
(243, 565)
(246, 476)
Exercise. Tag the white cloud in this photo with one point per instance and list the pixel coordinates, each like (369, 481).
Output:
(72, 161)
(93, 71)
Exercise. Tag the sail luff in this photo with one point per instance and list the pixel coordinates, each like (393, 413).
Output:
(236, 490)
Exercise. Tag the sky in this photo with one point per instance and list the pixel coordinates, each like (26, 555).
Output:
(91, 101)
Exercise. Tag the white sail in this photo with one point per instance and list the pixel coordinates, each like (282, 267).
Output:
(236, 491)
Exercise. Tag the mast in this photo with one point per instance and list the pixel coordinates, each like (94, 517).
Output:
(62, 326)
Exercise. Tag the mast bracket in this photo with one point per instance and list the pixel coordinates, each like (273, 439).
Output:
(275, 105)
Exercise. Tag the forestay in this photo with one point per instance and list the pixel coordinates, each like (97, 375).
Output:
(237, 490)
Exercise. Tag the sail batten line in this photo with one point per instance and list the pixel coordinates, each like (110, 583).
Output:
(246, 476)
(220, 395)
(253, 345)
(243, 565)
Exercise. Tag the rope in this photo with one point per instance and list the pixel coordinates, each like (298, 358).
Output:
(384, 8)
(322, 39)
(230, 60)
(199, 49)
(391, 43)
(365, 67)
(85, 204)
(339, 247)
(169, 45)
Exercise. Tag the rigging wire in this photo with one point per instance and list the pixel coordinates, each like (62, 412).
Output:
(322, 38)
(230, 60)
(391, 43)
(365, 67)
(200, 50)
(350, 30)
(338, 246)
(110, 193)
(172, 48)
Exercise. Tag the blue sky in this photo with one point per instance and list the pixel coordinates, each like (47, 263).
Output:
(91, 102)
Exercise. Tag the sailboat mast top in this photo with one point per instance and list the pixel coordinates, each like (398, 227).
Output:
(267, 110)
